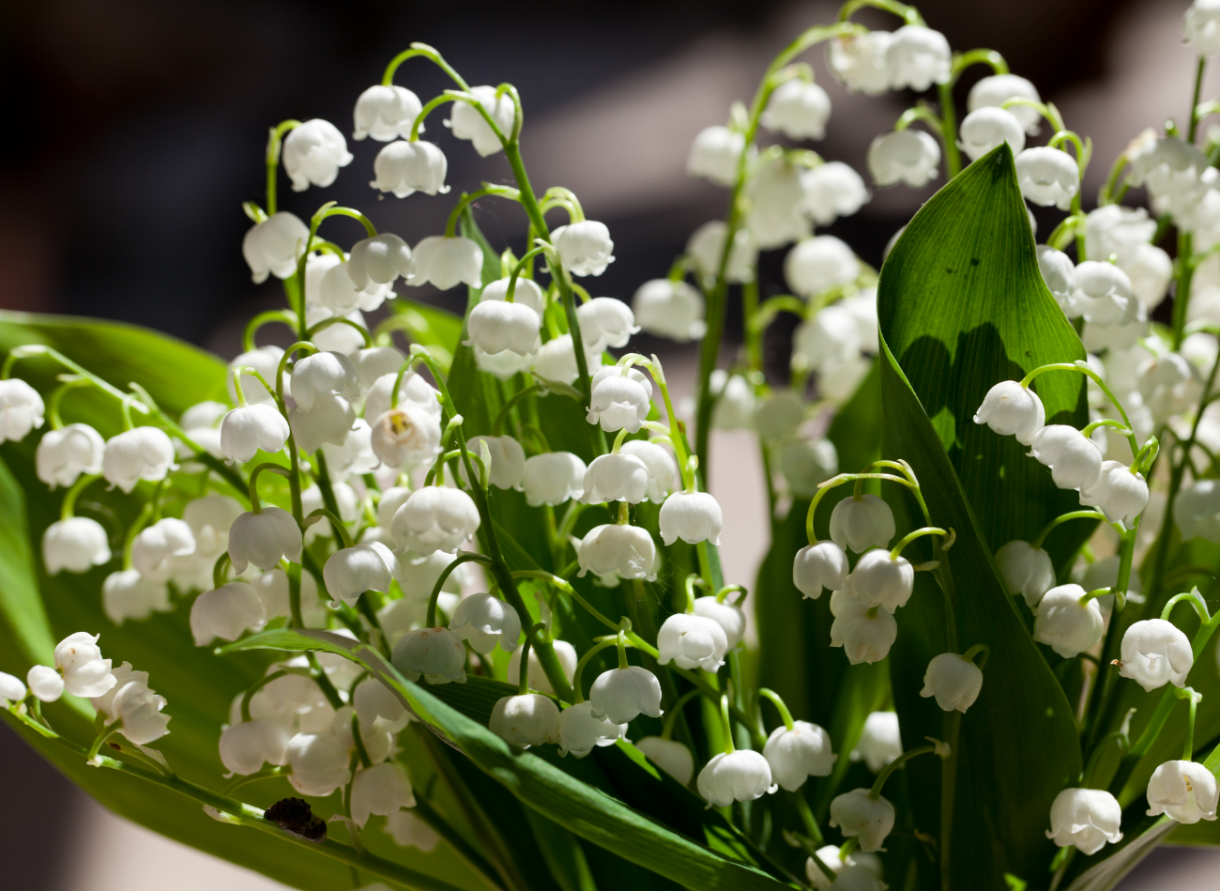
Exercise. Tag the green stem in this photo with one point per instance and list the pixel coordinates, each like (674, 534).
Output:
(255, 505)
(274, 141)
(879, 784)
(1063, 518)
(1193, 127)
(911, 536)
(778, 702)
(467, 557)
(67, 509)
(948, 131)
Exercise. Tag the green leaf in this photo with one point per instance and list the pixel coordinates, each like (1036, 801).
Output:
(962, 306)
(435, 328)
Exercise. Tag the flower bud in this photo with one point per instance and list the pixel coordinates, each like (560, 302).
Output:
(1074, 459)
(245, 747)
(13, 691)
(1065, 624)
(527, 720)
(622, 694)
(483, 620)
(858, 814)
(865, 633)
(349, 572)
(63, 455)
(564, 652)
(615, 478)
(1048, 176)
(985, 129)
(319, 763)
(1156, 652)
(1026, 570)
(264, 539)
(467, 123)
(1120, 494)
(691, 641)
(819, 264)
(861, 523)
(1059, 273)
(45, 682)
(799, 753)
(735, 776)
(954, 680)
(882, 580)
(996, 89)
(410, 831)
(728, 616)
(226, 612)
(136, 707)
(832, 190)
(818, 566)
(624, 551)
(385, 112)
(382, 789)
(909, 156)
(435, 653)
(274, 246)
(799, 109)
(1201, 27)
(1184, 790)
(435, 518)
(85, 672)
(553, 478)
(313, 152)
(1196, 511)
(693, 517)
(495, 326)
(130, 595)
(584, 248)
(507, 460)
(715, 154)
(858, 61)
(1086, 819)
(880, 741)
(605, 322)
(76, 544)
(1012, 410)
(143, 453)
(580, 732)
(405, 435)
(706, 246)
(669, 755)
(378, 707)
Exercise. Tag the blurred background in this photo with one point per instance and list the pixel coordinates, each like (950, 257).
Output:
(137, 128)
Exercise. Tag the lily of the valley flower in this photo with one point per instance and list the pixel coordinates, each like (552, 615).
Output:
(908, 156)
(729, 616)
(620, 695)
(818, 264)
(584, 248)
(1120, 493)
(143, 453)
(226, 612)
(385, 112)
(1074, 459)
(319, 763)
(1156, 652)
(495, 326)
(85, 672)
(264, 539)
(605, 322)
(880, 741)
(408, 434)
(467, 123)
(954, 680)
(1065, 624)
(799, 753)
(743, 775)
(857, 814)
(246, 746)
(1184, 790)
(714, 155)
(1026, 570)
(435, 653)
(250, 428)
(553, 478)
(691, 641)
(1012, 410)
(154, 548)
(1085, 818)
(818, 566)
(1048, 176)
(564, 652)
(445, 262)
(861, 523)
(580, 732)
(881, 579)
(865, 633)
(624, 551)
(799, 109)
(382, 789)
(985, 129)
(274, 246)
(615, 478)
(435, 518)
(349, 572)
(669, 755)
(619, 401)
(996, 89)
(917, 57)
(76, 544)
(530, 719)
(313, 152)
(484, 621)
(63, 455)
(693, 517)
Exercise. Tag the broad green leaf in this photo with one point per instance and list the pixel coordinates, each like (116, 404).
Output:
(962, 306)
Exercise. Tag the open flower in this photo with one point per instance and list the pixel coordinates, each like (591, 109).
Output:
(729, 616)
(818, 566)
(246, 746)
(495, 326)
(485, 620)
(154, 549)
(1074, 459)
(605, 322)
(819, 264)
(63, 455)
(797, 108)
(385, 112)
(1085, 818)
(1121, 493)
(408, 434)
(445, 262)
(1065, 624)
(627, 552)
(553, 478)
(669, 755)
(349, 572)
(662, 469)
(954, 680)
(693, 517)
(530, 719)
(908, 156)
(467, 123)
(143, 453)
(859, 814)
(1048, 176)
(865, 633)
(984, 130)
(274, 246)
(382, 789)
(313, 152)
(996, 89)
(1012, 410)
(437, 654)
(435, 518)
(615, 478)
(1184, 790)
(584, 248)
(250, 428)
(580, 732)
(1156, 652)
(619, 401)
(85, 672)
(264, 539)
(880, 579)
(735, 776)
(715, 153)
(76, 544)
(861, 523)
(880, 741)
(691, 641)
(622, 694)
(797, 754)
(507, 460)
(832, 190)
(1026, 570)
(859, 61)
(226, 612)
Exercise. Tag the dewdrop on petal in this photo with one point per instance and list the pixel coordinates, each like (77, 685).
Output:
(818, 566)
(1048, 176)
(143, 453)
(1086, 819)
(908, 156)
(527, 720)
(435, 518)
(1026, 570)
(984, 130)
(63, 455)
(1012, 410)
(1156, 652)
(1184, 790)
(693, 517)
(1074, 459)
(818, 264)
(799, 109)
(76, 544)
(553, 478)
(797, 754)
(619, 401)
(615, 478)
(580, 732)
(584, 247)
(484, 621)
(226, 612)
(1065, 624)
(954, 680)
(445, 262)
(264, 539)
(624, 551)
(743, 775)
(670, 755)
(437, 654)
(857, 814)
(382, 789)
(691, 641)
(85, 672)
(715, 153)
(620, 695)
(274, 246)
(1120, 494)
(861, 523)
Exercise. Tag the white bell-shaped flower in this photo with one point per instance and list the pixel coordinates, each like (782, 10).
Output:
(880, 741)
(12, 690)
(264, 539)
(526, 292)
(414, 389)
(619, 401)
(860, 872)
(554, 361)
(818, 264)
(85, 672)
(882, 580)
(691, 516)
(615, 478)
(1059, 273)
(716, 153)
(46, 684)
(862, 523)
(1048, 176)
(317, 264)
(349, 572)
(1013, 410)
(706, 247)
(274, 246)
(410, 831)
(797, 108)
(136, 707)
(377, 706)
(1120, 494)
(63, 455)
(143, 453)
(580, 732)
(445, 262)
(355, 457)
(917, 57)
(954, 680)
(467, 123)
(857, 814)
(507, 460)
(777, 215)
(1150, 270)
(272, 590)
(436, 654)
(669, 755)
(485, 620)
(553, 478)
(1115, 229)
(339, 294)
(527, 720)
(313, 152)
(1065, 624)
(1086, 819)
(662, 469)
(1169, 385)
(331, 421)
(495, 326)
(1176, 174)
(379, 261)
(374, 363)
(408, 434)
(830, 336)
(153, 550)
(800, 753)
(1103, 294)
(832, 190)
(691, 641)
(859, 61)
(246, 746)
(908, 156)
(322, 373)
(266, 361)
(1074, 459)
(1201, 26)
(76, 544)
(226, 612)
(1154, 653)
(996, 89)
(1026, 570)
(435, 518)
(985, 129)
(735, 776)
(1196, 511)
(385, 112)
(865, 633)
(627, 552)
(564, 652)
(735, 402)
(729, 616)
(806, 465)
(605, 322)
(622, 694)
(1184, 790)
(319, 763)
(250, 428)
(382, 789)
(818, 566)
(584, 248)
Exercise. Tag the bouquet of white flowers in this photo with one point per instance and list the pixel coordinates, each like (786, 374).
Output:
(453, 617)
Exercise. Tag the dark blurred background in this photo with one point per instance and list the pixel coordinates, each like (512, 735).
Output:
(135, 129)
